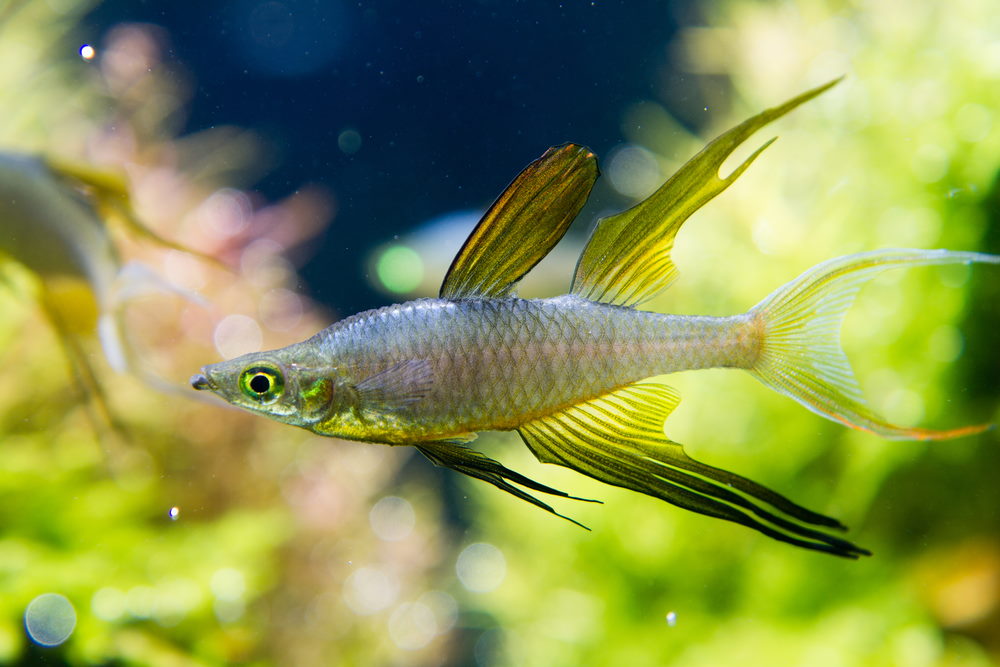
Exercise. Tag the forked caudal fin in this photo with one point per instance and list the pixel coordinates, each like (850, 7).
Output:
(800, 353)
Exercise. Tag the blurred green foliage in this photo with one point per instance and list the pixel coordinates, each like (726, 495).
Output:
(279, 553)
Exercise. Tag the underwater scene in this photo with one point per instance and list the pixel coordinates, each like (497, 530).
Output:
(500, 333)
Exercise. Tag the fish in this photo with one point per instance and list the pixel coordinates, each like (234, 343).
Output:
(53, 227)
(571, 373)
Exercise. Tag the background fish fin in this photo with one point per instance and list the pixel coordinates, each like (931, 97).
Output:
(800, 353)
(454, 455)
(627, 259)
(523, 224)
(95, 399)
(134, 280)
(399, 385)
(618, 439)
(108, 192)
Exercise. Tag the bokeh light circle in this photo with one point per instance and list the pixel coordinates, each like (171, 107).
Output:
(349, 141)
(412, 626)
(481, 567)
(392, 518)
(236, 335)
(50, 619)
(400, 269)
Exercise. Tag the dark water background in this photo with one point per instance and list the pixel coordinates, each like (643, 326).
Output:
(450, 99)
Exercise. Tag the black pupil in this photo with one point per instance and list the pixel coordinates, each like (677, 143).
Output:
(260, 383)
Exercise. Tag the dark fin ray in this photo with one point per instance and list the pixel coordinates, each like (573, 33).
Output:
(655, 478)
(475, 464)
(618, 439)
(523, 224)
(627, 259)
(758, 491)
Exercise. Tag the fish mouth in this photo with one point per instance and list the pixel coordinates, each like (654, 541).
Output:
(200, 382)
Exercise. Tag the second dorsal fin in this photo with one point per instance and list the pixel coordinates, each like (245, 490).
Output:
(627, 260)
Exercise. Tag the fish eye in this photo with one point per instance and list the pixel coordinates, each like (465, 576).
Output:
(262, 383)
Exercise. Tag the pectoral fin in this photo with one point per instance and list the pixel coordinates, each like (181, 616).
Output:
(618, 439)
(397, 386)
(627, 259)
(457, 456)
(523, 224)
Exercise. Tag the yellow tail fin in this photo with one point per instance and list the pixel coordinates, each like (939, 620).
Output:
(801, 355)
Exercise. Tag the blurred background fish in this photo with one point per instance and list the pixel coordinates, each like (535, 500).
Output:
(54, 229)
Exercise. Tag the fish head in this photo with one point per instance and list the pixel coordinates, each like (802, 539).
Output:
(270, 384)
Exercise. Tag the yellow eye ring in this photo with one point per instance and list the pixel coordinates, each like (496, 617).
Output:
(262, 383)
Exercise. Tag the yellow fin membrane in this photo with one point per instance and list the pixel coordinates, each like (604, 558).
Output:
(618, 439)
(523, 224)
(800, 354)
(627, 259)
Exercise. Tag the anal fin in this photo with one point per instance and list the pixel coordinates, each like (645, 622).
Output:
(618, 439)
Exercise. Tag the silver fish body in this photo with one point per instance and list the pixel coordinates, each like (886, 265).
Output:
(498, 363)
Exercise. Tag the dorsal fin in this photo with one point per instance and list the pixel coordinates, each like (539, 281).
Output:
(523, 224)
(627, 260)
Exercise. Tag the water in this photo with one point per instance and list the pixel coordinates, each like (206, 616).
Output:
(150, 528)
